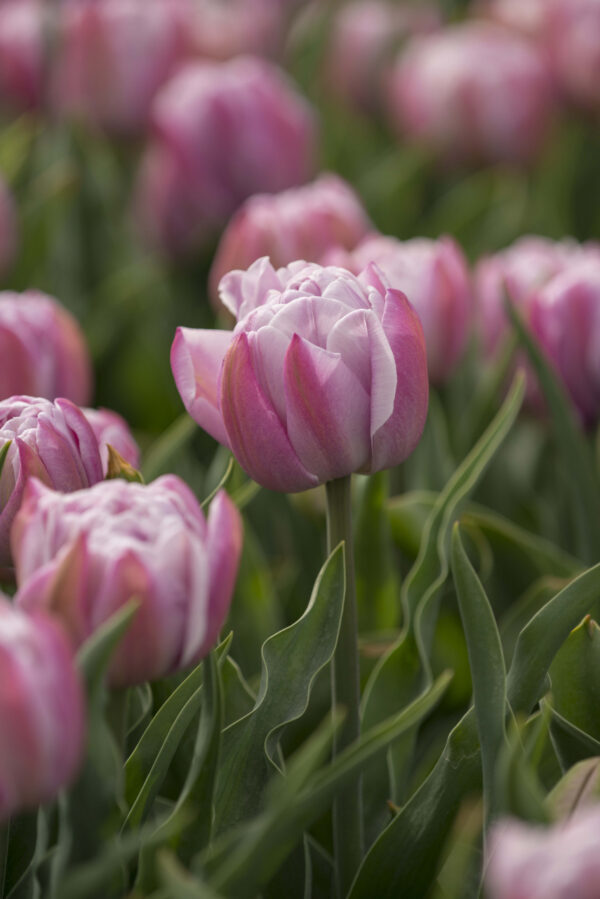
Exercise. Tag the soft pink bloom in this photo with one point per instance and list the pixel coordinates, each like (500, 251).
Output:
(528, 17)
(52, 441)
(301, 223)
(43, 350)
(8, 227)
(324, 374)
(41, 710)
(434, 275)
(473, 92)
(565, 318)
(559, 862)
(114, 56)
(224, 30)
(22, 36)
(363, 36)
(572, 38)
(84, 555)
(223, 132)
(110, 428)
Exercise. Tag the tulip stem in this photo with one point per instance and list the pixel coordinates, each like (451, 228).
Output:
(345, 690)
(118, 705)
(4, 840)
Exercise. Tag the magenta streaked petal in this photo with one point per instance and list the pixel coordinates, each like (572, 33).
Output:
(257, 437)
(196, 360)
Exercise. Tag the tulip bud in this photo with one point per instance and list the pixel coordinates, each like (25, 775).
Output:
(22, 54)
(527, 862)
(110, 429)
(302, 223)
(473, 92)
(41, 710)
(52, 441)
(199, 170)
(43, 349)
(434, 276)
(8, 228)
(572, 37)
(84, 555)
(324, 374)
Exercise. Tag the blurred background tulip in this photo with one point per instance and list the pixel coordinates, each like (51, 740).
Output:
(224, 30)
(42, 712)
(573, 40)
(23, 37)
(81, 557)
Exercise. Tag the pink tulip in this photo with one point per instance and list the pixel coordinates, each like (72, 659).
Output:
(325, 374)
(52, 441)
(434, 275)
(364, 35)
(82, 556)
(43, 349)
(22, 37)
(8, 227)
(198, 170)
(111, 428)
(224, 30)
(114, 56)
(302, 223)
(565, 318)
(528, 18)
(572, 37)
(41, 710)
(473, 92)
(560, 862)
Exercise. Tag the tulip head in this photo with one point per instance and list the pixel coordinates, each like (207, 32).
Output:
(110, 428)
(22, 26)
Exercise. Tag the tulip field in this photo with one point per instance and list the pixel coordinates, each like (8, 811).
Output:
(299, 449)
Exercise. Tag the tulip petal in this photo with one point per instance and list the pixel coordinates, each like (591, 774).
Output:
(394, 440)
(327, 411)
(257, 436)
(242, 291)
(196, 361)
(224, 549)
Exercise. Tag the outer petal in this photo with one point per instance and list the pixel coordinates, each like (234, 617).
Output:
(327, 411)
(196, 360)
(224, 549)
(256, 435)
(397, 438)
(29, 464)
(86, 443)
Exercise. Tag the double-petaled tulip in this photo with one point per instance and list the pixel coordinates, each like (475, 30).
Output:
(83, 555)
(8, 228)
(572, 37)
(434, 275)
(324, 374)
(565, 319)
(114, 56)
(302, 223)
(52, 441)
(42, 348)
(112, 430)
(41, 710)
(561, 862)
(22, 39)
(223, 132)
(473, 92)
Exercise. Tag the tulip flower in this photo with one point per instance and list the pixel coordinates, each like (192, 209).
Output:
(324, 374)
(473, 92)
(22, 25)
(52, 441)
(302, 223)
(565, 319)
(111, 429)
(198, 170)
(434, 275)
(560, 862)
(83, 555)
(43, 349)
(224, 30)
(572, 38)
(8, 228)
(41, 710)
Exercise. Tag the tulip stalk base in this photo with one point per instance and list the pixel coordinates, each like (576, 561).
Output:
(345, 687)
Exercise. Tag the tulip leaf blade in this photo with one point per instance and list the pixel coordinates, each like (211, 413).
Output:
(575, 678)
(4, 453)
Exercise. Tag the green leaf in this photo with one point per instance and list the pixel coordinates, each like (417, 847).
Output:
(156, 460)
(580, 786)
(179, 883)
(25, 845)
(292, 659)
(222, 482)
(487, 665)
(575, 678)
(94, 656)
(238, 697)
(576, 458)
(376, 581)
(3, 453)
(571, 744)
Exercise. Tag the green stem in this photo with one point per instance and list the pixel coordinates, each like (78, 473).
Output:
(116, 713)
(4, 840)
(345, 690)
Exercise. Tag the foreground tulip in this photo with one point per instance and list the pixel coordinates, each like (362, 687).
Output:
(8, 228)
(434, 275)
(52, 441)
(84, 555)
(561, 862)
(41, 710)
(42, 348)
(473, 92)
(111, 429)
(325, 374)
(302, 223)
(198, 169)
(22, 37)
